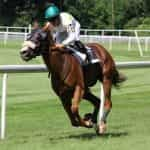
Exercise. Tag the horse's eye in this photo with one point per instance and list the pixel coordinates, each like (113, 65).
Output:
(43, 35)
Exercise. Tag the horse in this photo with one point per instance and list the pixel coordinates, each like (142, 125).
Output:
(71, 81)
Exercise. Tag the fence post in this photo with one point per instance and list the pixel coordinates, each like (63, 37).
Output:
(29, 28)
(119, 33)
(146, 44)
(85, 32)
(129, 43)
(110, 42)
(6, 36)
(3, 107)
(102, 36)
(138, 42)
(25, 33)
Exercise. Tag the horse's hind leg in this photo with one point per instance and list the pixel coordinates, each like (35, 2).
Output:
(96, 103)
(107, 84)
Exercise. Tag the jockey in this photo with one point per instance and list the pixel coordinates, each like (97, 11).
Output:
(65, 29)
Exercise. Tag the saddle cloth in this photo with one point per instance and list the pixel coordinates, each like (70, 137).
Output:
(82, 57)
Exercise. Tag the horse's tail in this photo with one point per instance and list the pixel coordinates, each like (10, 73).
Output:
(118, 78)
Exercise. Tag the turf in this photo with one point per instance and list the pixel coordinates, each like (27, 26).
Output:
(36, 120)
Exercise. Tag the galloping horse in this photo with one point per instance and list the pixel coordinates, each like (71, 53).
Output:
(71, 81)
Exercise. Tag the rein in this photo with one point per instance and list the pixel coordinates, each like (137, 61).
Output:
(58, 50)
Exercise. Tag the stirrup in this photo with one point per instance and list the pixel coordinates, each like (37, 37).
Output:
(95, 61)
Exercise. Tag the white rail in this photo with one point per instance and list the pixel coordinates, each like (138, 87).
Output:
(42, 68)
(22, 68)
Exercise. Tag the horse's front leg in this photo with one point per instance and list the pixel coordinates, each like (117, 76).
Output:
(106, 106)
(78, 94)
(67, 106)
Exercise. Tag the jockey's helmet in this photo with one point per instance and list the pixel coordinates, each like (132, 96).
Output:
(51, 12)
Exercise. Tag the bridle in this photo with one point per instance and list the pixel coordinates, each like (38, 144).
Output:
(40, 39)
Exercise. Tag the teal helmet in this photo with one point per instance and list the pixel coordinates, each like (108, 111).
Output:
(51, 12)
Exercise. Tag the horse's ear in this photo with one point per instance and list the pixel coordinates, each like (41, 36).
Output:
(46, 27)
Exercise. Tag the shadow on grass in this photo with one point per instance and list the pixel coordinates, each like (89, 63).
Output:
(90, 136)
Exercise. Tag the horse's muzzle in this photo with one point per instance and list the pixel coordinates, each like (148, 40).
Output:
(26, 55)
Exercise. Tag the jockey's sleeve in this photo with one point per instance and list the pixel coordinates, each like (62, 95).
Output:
(73, 31)
(71, 38)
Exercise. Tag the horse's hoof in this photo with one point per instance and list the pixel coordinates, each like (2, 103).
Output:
(89, 124)
(88, 120)
(101, 129)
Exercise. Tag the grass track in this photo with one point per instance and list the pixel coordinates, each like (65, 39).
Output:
(37, 121)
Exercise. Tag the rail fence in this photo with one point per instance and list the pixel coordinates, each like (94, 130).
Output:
(108, 37)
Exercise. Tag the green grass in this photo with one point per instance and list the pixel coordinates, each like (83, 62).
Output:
(36, 120)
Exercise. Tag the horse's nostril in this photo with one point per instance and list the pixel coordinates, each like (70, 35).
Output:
(23, 52)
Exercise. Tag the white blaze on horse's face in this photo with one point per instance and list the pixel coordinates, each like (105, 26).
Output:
(28, 44)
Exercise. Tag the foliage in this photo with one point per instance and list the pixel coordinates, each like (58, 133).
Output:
(133, 23)
(145, 24)
(91, 14)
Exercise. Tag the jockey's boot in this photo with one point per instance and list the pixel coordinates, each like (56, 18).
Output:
(84, 50)
(89, 54)
(88, 57)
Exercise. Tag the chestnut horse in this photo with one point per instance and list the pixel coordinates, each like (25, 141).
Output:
(71, 81)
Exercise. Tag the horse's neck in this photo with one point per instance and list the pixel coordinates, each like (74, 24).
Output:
(46, 59)
(57, 61)
(54, 61)
(51, 40)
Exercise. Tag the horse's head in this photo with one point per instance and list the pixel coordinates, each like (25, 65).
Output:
(36, 43)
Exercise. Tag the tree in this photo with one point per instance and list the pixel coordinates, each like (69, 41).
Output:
(90, 13)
